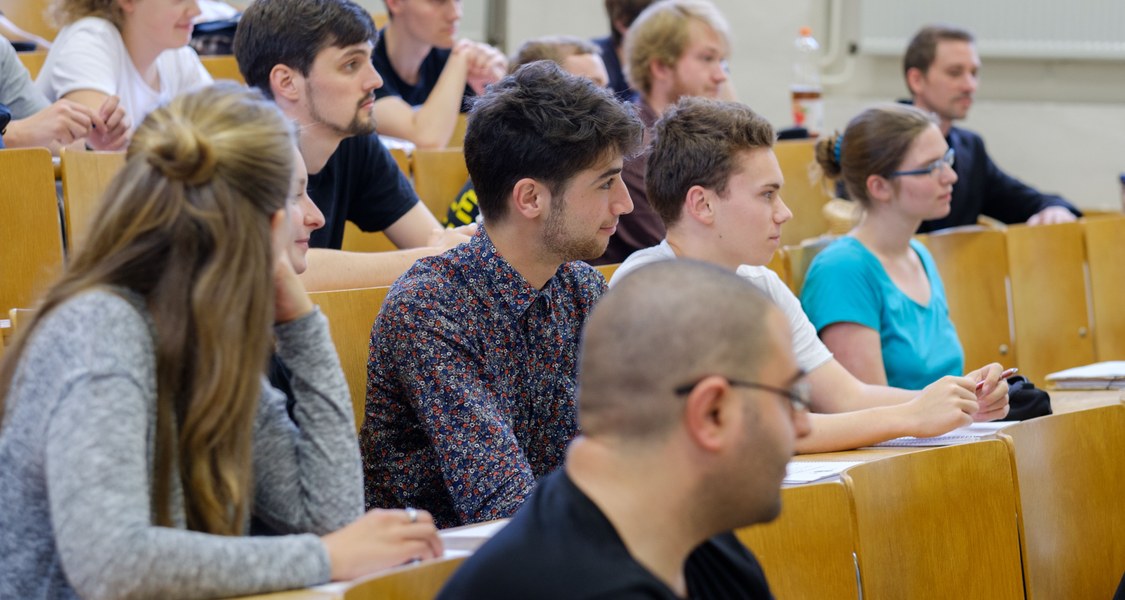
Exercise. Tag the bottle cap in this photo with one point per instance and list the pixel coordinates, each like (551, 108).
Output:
(805, 31)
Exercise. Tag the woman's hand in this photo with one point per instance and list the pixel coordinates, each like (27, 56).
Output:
(380, 539)
(291, 300)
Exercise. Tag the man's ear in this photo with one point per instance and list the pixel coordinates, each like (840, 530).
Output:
(709, 413)
(659, 70)
(530, 198)
(286, 82)
(914, 80)
(700, 205)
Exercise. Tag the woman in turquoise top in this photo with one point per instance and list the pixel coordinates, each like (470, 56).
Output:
(875, 296)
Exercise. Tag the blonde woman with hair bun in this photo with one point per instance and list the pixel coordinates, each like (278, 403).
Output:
(137, 432)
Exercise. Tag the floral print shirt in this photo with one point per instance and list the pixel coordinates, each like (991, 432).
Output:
(471, 383)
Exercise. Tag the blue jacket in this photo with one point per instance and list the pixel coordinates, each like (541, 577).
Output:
(982, 188)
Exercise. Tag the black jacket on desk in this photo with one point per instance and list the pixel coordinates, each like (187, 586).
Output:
(982, 188)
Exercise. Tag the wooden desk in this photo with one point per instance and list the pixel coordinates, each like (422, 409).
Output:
(940, 522)
(1071, 481)
(808, 551)
(420, 581)
(946, 510)
(408, 582)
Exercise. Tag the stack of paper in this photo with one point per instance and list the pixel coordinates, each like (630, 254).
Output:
(1098, 376)
(961, 435)
(471, 537)
(808, 471)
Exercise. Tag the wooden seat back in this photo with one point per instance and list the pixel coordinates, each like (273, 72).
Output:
(927, 522)
(779, 263)
(797, 259)
(1071, 476)
(30, 16)
(973, 263)
(85, 178)
(222, 67)
(31, 250)
(808, 551)
(422, 581)
(438, 176)
(351, 314)
(1105, 239)
(804, 192)
(1049, 307)
(33, 61)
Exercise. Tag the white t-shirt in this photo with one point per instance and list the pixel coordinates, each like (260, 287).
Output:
(810, 351)
(89, 54)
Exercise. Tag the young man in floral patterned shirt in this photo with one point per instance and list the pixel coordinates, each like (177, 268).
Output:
(471, 380)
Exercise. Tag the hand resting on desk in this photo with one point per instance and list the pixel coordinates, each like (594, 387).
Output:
(380, 539)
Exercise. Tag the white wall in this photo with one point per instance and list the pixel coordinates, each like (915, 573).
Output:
(1058, 125)
(472, 20)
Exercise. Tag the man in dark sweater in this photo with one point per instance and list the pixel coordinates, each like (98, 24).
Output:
(621, 15)
(941, 69)
(681, 443)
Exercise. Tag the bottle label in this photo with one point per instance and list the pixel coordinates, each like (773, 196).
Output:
(808, 109)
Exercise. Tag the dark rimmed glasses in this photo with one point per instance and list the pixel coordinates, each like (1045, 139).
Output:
(933, 168)
(798, 395)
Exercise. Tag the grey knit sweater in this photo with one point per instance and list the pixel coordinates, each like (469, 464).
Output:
(76, 460)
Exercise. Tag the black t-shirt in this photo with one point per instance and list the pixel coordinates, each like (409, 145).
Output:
(560, 545)
(360, 183)
(428, 73)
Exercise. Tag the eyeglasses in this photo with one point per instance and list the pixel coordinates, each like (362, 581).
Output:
(933, 168)
(798, 395)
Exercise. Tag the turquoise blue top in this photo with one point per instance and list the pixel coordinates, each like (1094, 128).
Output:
(847, 283)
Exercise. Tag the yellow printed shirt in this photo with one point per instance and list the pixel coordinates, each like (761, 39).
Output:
(464, 209)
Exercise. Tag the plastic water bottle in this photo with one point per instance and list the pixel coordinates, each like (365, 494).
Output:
(808, 106)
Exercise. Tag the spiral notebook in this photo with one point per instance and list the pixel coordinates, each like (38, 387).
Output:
(961, 435)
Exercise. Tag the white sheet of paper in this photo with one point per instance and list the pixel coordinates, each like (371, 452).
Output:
(807, 471)
(961, 435)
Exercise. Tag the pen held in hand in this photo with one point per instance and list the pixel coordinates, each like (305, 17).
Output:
(1006, 374)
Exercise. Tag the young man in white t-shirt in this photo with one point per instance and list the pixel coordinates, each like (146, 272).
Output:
(715, 182)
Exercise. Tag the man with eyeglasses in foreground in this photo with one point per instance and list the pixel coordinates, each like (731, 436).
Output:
(715, 182)
(686, 432)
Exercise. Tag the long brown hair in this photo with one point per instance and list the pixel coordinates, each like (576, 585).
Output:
(186, 225)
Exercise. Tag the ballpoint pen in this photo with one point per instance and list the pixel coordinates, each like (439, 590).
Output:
(1006, 374)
